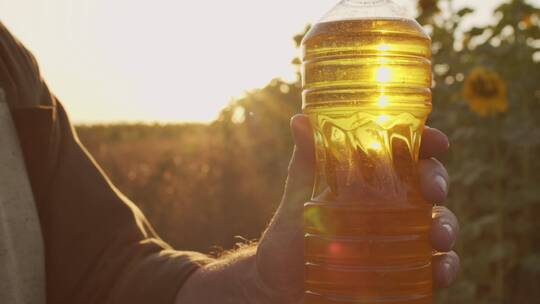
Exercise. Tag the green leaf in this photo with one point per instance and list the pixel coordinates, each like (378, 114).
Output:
(501, 250)
(465, 11)
(531, 263)
(475, 229)
(476, 31)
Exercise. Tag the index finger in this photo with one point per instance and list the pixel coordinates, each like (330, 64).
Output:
(434, 143)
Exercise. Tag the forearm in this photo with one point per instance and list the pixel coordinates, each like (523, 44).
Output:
(232, 279)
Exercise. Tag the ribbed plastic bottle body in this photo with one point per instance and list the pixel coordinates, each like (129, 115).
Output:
(367, 93)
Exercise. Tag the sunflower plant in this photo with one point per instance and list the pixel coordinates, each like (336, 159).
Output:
(485, 92)
(487, 98)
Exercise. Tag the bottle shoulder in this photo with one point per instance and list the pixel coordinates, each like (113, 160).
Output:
(366, 27)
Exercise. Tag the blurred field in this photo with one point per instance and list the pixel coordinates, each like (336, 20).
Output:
(202, 185)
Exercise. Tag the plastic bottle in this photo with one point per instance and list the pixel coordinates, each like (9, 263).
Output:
(366, 88)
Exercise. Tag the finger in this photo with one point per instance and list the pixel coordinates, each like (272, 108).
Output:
(434, 143)
(301, 169)
(433, 180)
(444, 230)
(445, 268)
(302, 134)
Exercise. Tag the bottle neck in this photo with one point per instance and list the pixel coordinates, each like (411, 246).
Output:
(365, 3)
(365, 9)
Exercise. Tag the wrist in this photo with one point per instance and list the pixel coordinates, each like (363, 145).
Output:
(245, 282)
(254, 289)
(257, 289)
(232, 279)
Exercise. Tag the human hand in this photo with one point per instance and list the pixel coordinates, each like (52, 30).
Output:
(280, 258)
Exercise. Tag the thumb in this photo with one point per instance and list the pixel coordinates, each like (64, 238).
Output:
(280, 251)
(299, 185)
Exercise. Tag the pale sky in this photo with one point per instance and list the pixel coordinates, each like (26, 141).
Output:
(163, 60)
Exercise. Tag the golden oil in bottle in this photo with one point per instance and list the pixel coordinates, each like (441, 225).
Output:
(367, 93)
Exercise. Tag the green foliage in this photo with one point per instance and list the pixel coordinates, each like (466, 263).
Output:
(495, 175)
(202, 185)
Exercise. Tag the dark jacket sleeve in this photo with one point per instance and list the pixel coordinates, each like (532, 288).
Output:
(99, 247)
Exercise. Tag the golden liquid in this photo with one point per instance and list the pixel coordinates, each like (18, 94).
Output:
(367, 93)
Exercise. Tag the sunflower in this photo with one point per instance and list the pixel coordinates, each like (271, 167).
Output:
(485, 92)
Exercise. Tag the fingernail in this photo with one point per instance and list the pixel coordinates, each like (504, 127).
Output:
(447, 142)
(450, 273)
(450, 234)
(442, 184)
